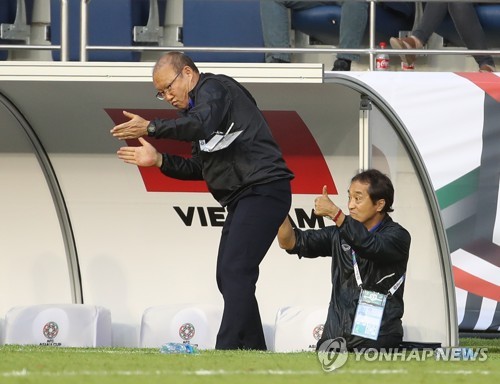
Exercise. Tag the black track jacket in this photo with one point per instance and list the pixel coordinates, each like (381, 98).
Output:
(252, 158)
(382, 256)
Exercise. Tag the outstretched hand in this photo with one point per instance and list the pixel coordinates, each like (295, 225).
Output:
(132, 129)
(323, 206)
(145, 156)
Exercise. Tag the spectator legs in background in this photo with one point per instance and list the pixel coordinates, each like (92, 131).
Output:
(275, 29)
(353, 21)
(275, 18)
(471, 32)
(466, 22)
(433, 16)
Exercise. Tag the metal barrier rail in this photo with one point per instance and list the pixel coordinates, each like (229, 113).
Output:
(372, 51)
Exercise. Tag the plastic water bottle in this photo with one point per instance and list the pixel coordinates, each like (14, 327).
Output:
(170, 348)
(382, 59)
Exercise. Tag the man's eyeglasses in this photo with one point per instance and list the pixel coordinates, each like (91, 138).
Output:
(161, 94)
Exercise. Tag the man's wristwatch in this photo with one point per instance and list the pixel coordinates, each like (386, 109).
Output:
(151, 129)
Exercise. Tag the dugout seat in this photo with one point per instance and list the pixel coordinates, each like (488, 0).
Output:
(196, 324)
(65, 325)
(298, 328)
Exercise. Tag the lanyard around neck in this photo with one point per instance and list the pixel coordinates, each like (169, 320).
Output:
(359, 281)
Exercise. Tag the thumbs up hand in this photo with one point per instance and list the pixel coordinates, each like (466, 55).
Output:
(323, 206)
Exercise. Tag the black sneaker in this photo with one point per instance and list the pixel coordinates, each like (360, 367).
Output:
(277, 60)
(341, 65)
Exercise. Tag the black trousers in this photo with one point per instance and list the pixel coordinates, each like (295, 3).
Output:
(249, 230)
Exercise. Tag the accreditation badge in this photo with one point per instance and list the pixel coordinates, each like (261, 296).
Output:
(369, 314)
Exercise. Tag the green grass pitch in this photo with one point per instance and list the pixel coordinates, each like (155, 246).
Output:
(38, 364)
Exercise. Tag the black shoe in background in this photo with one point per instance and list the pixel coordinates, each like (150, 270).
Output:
(277, 60)
(341, 65)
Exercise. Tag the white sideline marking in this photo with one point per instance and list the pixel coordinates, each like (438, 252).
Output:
(203, 372)
(462, 372)
(88, 350)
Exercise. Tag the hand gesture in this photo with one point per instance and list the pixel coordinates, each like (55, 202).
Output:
(132, 129)
(323, 206)
(145, 156)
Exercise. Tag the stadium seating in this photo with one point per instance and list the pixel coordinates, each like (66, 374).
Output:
(196, 324)
(322, 23)
(298, 328)
(8, 16)
(489, 16)
(223, 18)
(223, 23)
(66, 325)
(110, 23)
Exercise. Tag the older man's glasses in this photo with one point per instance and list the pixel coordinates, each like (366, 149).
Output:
(168, 89)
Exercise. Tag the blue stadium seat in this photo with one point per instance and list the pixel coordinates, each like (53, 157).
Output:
(489, 16)
(8, 16)
(390, 19)
(110, 23)
(322, 23)
(223, 23)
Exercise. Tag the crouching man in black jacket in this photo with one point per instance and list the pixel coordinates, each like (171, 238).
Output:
(234, 151)
(369, 254)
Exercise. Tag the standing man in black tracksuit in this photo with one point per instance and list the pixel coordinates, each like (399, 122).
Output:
(369, 254)
(234, 152)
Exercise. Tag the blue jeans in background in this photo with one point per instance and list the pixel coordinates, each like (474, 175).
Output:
(275, 19)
